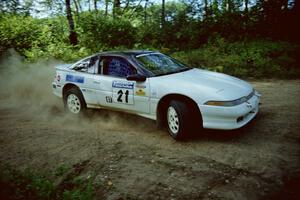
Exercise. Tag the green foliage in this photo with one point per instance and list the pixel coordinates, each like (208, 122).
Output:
(227, 38)
(80, 192)
(104, 33)
(17, 32)
(61, 170)
(245, 59)
(37, 38)
(29, 184)
(43, 187)
(61, 51)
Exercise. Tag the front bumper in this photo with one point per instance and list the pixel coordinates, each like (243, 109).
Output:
(228, 118)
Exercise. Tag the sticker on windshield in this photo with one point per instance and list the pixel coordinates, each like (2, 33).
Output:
(122, 84)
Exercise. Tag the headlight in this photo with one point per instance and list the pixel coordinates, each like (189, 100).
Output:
(230, 103)
(222, 103)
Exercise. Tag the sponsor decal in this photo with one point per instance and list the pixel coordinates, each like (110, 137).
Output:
(75, 79)
(122, 84)
(108, 99)
(140, 92)
(140, 86)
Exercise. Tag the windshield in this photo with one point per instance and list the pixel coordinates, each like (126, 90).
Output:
(160, 64)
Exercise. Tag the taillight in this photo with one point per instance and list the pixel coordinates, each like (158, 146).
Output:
(58, 78)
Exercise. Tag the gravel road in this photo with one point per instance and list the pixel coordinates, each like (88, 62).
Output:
(128, 158)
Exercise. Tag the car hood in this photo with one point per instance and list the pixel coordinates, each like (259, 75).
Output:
(210, 84)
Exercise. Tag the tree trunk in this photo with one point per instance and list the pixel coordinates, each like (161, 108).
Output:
(205, 8)
(116, 8)
(246, 17)
(163, 18)
(77, 10)
(106, 8)
(127, 4)
(145, 12)
(73, 34)
(246, 11)
(95, 6)
(246, 7)
(89, 1)
(228, 5)
(78, 5)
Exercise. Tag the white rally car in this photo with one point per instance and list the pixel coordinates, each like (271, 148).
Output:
(156, 86)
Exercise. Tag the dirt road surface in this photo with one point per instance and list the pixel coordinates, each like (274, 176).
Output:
(128, 158)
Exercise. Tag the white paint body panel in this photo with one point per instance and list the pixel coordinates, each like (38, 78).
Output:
(143, 97)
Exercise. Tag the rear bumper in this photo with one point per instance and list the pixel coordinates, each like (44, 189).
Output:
(57, 89)
(228, 118)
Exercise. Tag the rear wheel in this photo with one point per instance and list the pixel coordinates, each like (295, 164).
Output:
(74, 101)
(177, 119)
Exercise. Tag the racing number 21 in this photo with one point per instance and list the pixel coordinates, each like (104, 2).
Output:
(120, 95)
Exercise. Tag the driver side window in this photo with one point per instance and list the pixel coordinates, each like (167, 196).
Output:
(116, 66)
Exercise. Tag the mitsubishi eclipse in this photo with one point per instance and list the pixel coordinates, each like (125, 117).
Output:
(158, 87)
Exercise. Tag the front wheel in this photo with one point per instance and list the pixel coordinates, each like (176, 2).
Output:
(74, 101)
(177, 119)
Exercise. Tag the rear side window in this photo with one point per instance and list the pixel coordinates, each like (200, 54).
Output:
(88, 65)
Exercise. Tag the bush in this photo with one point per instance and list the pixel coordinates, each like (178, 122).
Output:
(105, 33)
(245, 59)
(17, 32)
(60, 51)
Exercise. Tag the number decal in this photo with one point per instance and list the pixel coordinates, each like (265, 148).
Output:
(123, 92)
(120, 94)
(126, 96)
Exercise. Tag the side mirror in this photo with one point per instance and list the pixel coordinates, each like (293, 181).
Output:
(136, 77)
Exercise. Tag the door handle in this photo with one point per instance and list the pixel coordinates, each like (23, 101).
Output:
(96, 82)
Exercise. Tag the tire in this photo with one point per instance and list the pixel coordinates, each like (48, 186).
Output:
(74, 102)
(177, 119)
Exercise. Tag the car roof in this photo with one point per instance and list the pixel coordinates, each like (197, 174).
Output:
(127, 52)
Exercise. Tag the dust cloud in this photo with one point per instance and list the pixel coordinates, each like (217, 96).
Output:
(26, 86)
(26, 89)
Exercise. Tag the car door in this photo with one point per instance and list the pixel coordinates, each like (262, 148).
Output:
(86, 70)
(116, 91)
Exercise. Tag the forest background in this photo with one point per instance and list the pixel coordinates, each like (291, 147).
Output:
(245, 38)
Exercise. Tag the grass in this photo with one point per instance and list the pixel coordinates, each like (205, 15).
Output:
(28, 184)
